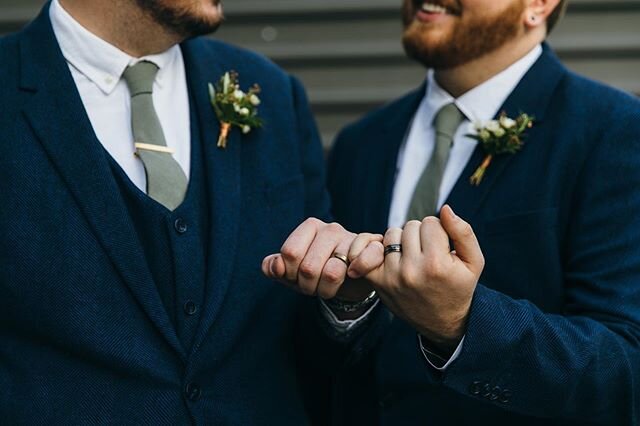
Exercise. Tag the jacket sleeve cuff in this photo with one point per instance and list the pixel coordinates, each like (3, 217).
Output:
(436, 361)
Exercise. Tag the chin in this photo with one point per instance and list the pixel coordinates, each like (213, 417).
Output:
(426, 36)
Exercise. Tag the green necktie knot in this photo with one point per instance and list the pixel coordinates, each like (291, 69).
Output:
(447, 120)
(140, 77)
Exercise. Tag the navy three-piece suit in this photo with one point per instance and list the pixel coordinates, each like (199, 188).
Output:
(114, 310)
(554, 330)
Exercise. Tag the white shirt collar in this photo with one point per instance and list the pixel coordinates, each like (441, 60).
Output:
(96, 59)
(482, 102)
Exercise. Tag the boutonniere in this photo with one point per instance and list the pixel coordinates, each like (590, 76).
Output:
(502, 136)
(234, 107)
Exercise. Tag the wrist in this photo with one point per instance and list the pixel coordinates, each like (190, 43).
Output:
(446, 338)
(354, 290)
(350, 309)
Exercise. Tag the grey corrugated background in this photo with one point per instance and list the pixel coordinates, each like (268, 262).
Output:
(348, 52)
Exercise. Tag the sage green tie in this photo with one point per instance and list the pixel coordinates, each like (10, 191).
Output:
(166, 181)
(425, 197)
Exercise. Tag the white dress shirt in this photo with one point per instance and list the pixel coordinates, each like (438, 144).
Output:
(97, 67)
(482, 103)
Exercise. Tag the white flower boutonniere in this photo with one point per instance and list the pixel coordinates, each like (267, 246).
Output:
(234, 107)
(501, 136)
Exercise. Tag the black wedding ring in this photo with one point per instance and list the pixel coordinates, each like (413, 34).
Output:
(393, 248)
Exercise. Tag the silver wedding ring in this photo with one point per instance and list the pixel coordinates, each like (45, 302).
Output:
(393, 248)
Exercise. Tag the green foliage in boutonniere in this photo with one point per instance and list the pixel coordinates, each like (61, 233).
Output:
(234, 107)
(497, 137)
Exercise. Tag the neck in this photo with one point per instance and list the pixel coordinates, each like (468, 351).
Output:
(459, 80)
(122, 24)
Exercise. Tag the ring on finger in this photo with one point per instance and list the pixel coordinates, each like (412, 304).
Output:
(393, 248)
(343, 258)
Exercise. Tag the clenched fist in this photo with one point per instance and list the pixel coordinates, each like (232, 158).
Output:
(427, 284)
(307, 261)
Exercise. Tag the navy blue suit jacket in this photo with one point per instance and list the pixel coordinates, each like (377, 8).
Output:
(84, 336)
(554, 331)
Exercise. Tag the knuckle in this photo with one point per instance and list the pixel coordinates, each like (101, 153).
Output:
(335, 227)
(434, 268)
(308, 270)
(409, 274)
(393, 284)
(431, 220)
(290, 254)
(413, 223)
(313, 221)
(392, 231)
(333, 276)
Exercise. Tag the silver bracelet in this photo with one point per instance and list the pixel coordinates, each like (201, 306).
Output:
(347, 307)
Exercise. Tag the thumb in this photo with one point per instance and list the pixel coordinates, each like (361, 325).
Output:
(273, 267)
(464, 239)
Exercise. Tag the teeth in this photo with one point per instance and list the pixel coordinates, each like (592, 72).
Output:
(433, 8)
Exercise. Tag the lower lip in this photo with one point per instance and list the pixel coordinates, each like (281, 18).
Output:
(423, 16)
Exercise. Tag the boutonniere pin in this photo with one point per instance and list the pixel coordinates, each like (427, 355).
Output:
(502, 136)
(234, 107)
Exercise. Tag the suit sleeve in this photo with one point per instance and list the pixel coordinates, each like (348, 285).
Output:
(582, 365)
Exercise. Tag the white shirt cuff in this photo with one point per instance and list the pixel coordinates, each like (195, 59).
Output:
(428, 354)
(344, 326)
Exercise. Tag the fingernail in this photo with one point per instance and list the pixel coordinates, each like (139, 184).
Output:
(353, 274)
(272, 267)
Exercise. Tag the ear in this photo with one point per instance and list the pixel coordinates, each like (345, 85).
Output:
(538, 11)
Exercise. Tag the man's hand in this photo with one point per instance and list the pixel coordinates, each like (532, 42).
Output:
(307, 264)
(428, 285)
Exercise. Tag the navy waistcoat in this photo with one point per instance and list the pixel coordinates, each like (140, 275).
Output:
(174, 242)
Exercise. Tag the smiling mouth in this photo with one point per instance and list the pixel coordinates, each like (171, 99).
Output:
(433, 8)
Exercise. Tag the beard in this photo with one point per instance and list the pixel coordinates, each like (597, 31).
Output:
(471, 37)
(184, 21)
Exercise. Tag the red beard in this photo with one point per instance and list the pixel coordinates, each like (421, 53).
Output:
(471, 37)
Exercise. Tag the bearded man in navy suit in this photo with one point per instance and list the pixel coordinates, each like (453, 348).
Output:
(130, 244)
(534, 318)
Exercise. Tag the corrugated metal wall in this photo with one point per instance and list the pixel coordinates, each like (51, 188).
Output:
(348, 52)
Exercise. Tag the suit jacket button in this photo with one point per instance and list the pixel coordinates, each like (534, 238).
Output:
(181, 226)
(485, 391)
(193, 392)
(505, 396)
(190, 308)
(475, 388)
(495, 393)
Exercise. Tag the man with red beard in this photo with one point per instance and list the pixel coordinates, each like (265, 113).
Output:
(543, 325)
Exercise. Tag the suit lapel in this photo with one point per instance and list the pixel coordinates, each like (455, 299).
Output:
(222, 169)
(531, 96)
(382, 168)
(54, 109)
